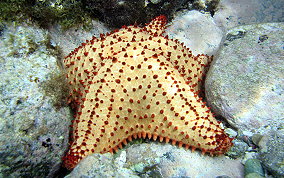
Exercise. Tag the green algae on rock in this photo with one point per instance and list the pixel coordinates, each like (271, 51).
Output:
(67, 13)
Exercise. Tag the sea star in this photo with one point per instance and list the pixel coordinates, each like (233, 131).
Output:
(133, 83)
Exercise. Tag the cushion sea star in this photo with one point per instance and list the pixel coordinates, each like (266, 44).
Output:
(137, 83)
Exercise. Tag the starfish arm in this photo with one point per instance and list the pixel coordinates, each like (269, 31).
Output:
(157, 25)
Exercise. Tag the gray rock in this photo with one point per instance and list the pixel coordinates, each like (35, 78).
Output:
(33, 132)
(156, 160)
(253, 166)
(231, 13)
(272, 153)
(253, 175)
(223, 176)
(256, 138)
(238, 150)
(245, 83)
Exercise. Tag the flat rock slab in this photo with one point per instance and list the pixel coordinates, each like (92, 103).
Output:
(157, 160)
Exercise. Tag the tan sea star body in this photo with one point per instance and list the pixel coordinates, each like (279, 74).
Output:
(136, 83)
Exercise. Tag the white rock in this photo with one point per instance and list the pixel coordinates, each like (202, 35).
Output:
(198, 32)
(157, 160)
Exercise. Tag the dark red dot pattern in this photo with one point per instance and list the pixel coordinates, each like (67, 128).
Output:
(136, 83)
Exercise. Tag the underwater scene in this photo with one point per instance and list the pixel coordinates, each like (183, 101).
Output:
(142, 88)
